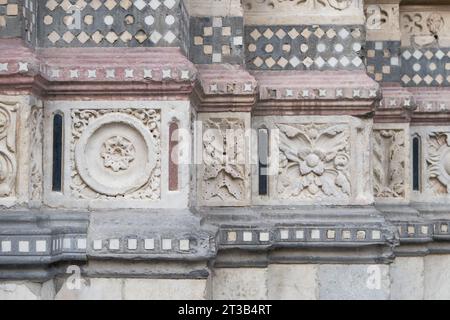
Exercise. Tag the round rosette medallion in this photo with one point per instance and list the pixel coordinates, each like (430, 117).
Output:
(115, 154)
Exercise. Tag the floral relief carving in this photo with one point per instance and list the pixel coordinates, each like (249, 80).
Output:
(223, 168)
(389, 163)
(8, 164)
(438, 162)
(314, 161)
(117, 153)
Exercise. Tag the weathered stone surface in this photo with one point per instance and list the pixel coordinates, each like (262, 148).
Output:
(292, 282)
(342, 282)
(407, 278)
(165, 289)
(92, 289)
(335, 92)
(26, 290)
(437, 277)
(239, 283)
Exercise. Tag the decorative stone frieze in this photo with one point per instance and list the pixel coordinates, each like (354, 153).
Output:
(309, 11)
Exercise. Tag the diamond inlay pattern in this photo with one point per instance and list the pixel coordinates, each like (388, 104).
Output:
(304, 47)
(119, 23)
(425, 67)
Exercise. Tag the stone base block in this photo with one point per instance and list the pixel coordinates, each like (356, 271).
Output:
(27, 290)
(292, 282)
(347, 282)
(239, 283)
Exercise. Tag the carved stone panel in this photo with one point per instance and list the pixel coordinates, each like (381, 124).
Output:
(315, 160)
(390, 163)
(223, 177)
(115, 153)
(438, 163)
(382, 21)
(8, 152)
(425, 26)
(306, 11)
(434, 164)
(36, 140)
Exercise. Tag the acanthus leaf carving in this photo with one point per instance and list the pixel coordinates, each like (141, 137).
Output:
(389, 163)
(223, 174)
(438, 162)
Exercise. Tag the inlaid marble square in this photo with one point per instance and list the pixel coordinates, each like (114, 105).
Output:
(216, 39)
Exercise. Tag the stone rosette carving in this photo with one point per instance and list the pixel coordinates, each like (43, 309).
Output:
(223, 169)
(389, 155)
(116, 153)
(438, 162)
(314, 161)
(8, 160)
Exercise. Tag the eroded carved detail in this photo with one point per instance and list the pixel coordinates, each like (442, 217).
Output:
(36, 137)
(117, 153)
(8, 162)
(389, 163)
(116, 158)
(314, 4)
(438, 162)
(223, 165)
(427, 28)
(314, 160)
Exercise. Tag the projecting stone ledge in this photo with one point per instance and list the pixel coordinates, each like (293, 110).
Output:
(184, 243)
(316, 93)
(224, 88)
(95, 71)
